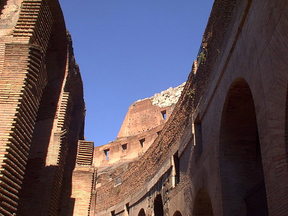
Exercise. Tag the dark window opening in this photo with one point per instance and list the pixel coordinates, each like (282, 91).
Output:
(158, 133)
(198, 136)
(124, 147)
(158, 206)
(176, 164)
(107, 152)
(177, 213)
(141, 212)
(127, 208)
(164, 114)
(113, 213)
(142, 141)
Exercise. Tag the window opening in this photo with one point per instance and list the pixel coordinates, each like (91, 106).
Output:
(107, 152)
(164, 114)
(142, 141)
(158, 206)
(176, 169)
(124, 147)
(127, 208)
(198, 136)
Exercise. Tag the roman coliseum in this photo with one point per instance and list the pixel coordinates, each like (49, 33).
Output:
(215, 145)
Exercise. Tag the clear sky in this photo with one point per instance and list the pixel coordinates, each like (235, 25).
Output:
(129, 50)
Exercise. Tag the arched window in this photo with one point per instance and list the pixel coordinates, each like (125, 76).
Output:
(241, 168)
(158, 206)
(202, 205)
(141, 212)
(177, 213)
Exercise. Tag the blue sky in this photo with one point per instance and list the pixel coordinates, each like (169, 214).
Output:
(129, 50)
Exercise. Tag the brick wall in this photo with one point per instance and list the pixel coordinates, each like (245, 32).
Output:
(141, 171)
(33, 55)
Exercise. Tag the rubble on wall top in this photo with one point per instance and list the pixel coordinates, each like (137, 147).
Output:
(167, 97)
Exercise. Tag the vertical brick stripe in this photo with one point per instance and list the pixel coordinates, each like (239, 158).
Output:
(22, 81)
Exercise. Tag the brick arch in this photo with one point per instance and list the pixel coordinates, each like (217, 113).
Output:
(44, 163)
(177, 213)
(141, 212)
(202, 204)
(158, 206)
(243, 187)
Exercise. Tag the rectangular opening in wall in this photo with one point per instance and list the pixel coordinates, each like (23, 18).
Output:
(124, 147)
(176, 168)
(118, 181)
(127, 208)
(113, 213)
(142, 141)
(198, 136)
(164, 114)
(107, 152)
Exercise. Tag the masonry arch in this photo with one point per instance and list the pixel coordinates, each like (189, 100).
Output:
(53, 64)
(177, 213)
(202, 204)
(243, 187)
(141, 212)
(158, 206)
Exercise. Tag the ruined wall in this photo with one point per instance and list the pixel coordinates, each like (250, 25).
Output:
(143, 123)
(148, 113)
(223, 150)
(134, 177)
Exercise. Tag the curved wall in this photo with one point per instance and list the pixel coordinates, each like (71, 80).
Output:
(243, 39)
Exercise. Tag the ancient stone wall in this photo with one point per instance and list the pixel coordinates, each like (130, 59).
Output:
(83, 184)
(143, 123)
(141, 171)
(148, 113)
(37, 70)
(223, 150)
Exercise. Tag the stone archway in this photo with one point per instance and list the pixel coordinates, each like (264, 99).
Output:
(177, 213)
(243, 187)
(158, 206)
(141, 212)
(202, 204)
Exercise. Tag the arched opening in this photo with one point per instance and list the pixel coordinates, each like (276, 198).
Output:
(177, 213)
(241, 168)
(202, 204)
(158, 206)
(141, 212)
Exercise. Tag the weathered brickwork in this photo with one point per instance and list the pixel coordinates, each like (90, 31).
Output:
(38, 103)
(223, 150)
(220, 150)
(142, 124)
